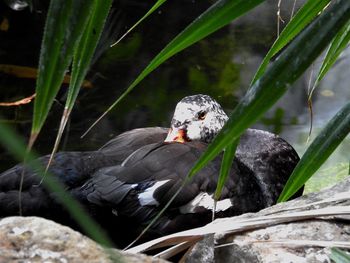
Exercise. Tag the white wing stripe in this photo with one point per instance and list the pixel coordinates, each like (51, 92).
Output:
(206, 201)
(146, 197)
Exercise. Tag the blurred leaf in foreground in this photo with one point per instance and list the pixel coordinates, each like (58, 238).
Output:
(16, 146)
(339, 256)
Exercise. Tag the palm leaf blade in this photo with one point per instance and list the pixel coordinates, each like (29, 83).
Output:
(63, 29)
(320, 149)
(277, 79)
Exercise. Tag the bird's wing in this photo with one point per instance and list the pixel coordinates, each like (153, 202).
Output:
(150, 177)
(130, 141)
(74, 168)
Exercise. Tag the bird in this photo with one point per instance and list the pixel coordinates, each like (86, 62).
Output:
(124, 184)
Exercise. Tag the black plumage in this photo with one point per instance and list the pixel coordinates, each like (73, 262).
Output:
(125, 184)
(70, 168)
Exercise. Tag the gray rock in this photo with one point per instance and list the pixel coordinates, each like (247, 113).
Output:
(301, 230)
(203, 251)
(298, 241)
(34, 239)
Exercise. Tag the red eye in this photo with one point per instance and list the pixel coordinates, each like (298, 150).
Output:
(201, 115)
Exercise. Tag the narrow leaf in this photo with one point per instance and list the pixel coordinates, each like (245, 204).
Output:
(339, 256)
(16, 146)
(318, 152)
(83, 53)
(86, 47)
(337, 46)
(217, 16)
(153, 8)
(277, 79)
(302, 18)
(65, 22)
(226, 164)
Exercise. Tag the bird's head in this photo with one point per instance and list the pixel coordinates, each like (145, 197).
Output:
(196, 118)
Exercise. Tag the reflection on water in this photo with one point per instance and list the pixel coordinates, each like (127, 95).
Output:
(222, 66)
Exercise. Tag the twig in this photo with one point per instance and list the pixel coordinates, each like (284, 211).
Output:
(293, 9)
(279, 18)
(18, 102)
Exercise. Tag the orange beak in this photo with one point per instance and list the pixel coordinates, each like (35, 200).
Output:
(176, 135)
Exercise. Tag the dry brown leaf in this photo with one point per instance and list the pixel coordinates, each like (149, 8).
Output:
(18, 102)
(32, 73)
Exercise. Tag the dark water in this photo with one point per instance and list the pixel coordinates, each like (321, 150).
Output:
(221, 65)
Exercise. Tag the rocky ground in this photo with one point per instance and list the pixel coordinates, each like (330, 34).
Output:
(302, 230)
